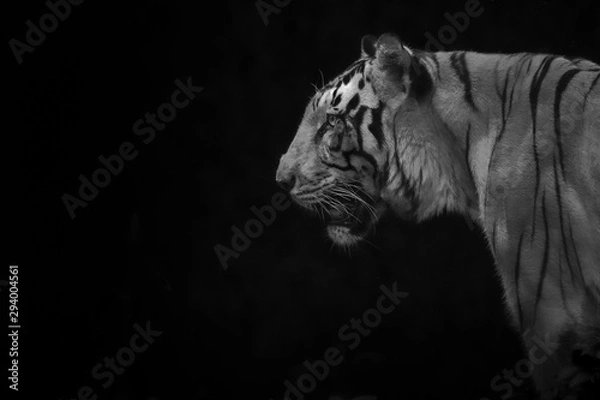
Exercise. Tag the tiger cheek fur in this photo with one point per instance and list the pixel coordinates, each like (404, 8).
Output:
(509, 141)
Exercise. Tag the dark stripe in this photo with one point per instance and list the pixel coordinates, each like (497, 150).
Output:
(385, 173)
(529, 64)
(574, 245)
(506, 113)
(376, 125)
(468, 154)
(353, 103)
(544, 269)
(503, 98)
(369, 158)
(336, 137)
(557, 189)
(336, 101)
(563, 83)
(494, 235)
(316, 102)
(519, 72)
(459, 63)
(437, 65)
(512, 95)
(354, 69)
(320, 133)
(590, 91)
(524, 58)
(421, 83)
(345, 77)
(346, 168)
(562, 287)
(536, 85)
(406, 185)
(334, 94)
(517, 278)
(357, 123)
(361, 68)
(594, 83)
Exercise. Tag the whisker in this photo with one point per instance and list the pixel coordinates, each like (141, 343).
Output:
(334, 202)
(330, 202)
(356, 185)
(368, 195)
(331, 247)
(372, 244)
(316, 88)
(348, 249)
(349, 194)
(369, 208)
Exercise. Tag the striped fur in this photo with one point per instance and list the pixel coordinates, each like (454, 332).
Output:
(510, 141)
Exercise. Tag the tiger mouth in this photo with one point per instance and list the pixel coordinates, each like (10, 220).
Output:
(349, 214)
(355, 215)
(352, 217)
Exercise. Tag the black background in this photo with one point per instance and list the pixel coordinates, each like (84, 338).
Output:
(143, 249)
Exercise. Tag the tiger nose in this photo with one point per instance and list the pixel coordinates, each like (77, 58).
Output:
(285, 176)
(286, 182)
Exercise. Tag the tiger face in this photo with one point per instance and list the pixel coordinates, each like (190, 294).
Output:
(334, 166)
(348, 160)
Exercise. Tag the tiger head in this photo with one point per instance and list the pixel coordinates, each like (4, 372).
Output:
(365, 144)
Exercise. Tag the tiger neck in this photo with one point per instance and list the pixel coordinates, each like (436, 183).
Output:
(464, 89)
(450, 135)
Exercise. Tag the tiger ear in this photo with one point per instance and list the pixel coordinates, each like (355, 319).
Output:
(368, 46)
(392, 56)
(392, 77)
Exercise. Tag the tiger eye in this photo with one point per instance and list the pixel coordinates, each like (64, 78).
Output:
(332, 120)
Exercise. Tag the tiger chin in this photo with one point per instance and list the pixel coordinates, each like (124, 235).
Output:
(509, 141)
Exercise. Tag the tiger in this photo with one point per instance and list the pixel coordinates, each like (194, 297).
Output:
(509, 141)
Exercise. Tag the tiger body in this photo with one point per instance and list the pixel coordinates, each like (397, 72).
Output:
(538, 193)
(510, 141)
